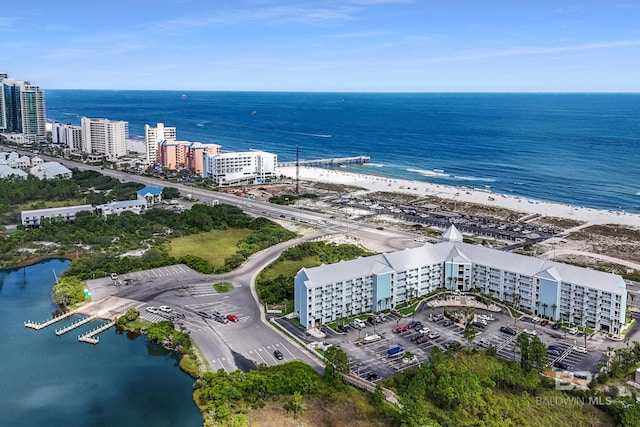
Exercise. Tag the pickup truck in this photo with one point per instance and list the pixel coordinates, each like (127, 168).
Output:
(395, 351)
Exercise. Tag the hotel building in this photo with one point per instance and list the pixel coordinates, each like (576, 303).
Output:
(240, 168)
(105, 137)
(184, 154)
(22, 109)
(153, 136)
(67, 134)
(560, 291)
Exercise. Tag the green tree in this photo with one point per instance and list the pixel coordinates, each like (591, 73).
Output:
(131, 314)
(68, 291)
(469, 332)
(336, 363)
(169, 193)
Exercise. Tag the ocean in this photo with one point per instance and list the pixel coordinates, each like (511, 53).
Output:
(46, 380)
(580, 149)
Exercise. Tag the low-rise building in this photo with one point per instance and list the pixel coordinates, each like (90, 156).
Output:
(33, 218)
(552, 289)
(6, 172)
(135, 206)
(50, 170)
(151, 195)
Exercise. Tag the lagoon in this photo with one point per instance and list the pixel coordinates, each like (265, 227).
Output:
(46, 380)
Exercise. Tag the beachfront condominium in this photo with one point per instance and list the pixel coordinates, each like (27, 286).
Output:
(105, 137)
(153, 136)
(240, 168)
(177, 155)
(22, 110)
(555, 290)
(67, 134)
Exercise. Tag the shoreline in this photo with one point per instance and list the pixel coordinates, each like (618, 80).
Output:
(375, 183)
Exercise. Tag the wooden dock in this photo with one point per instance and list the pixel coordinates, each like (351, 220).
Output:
(91, 338)
(74, 325)
(40, 325)
(335, 161)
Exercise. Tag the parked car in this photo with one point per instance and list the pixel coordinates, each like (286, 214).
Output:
(447, 322)
(417, 326)
(508, 330)
(433, 335)
(152, 309)
(535, 319)
(544, 322)
(165, 309)
(553, 352)
(438, 317)
(573, 330)
(424, 331)
(579, 349)
(532, 332)
(278, 355)
(343, 328)
(232, 318)
(204, 314)
(479, 325)
(401, 328)
(562, 365)
(372, 376)
(422, 340)
(220, 318)
(412, 324)
(372, 320)
(556, 326)
(484, 343)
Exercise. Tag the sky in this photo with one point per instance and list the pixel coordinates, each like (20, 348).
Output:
(325, 46)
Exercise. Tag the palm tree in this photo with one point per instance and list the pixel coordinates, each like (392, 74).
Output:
(450, 279)
(544, 309)
(553, 311)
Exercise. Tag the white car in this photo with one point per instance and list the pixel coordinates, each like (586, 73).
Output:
(530, 332)
(535, 320)
(424, 331)
(573, 330)
(433, 335)
(153, 310)
(579, 349)
(165, 308)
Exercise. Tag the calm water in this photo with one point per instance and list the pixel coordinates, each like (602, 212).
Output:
(47, 380)
(577, 148)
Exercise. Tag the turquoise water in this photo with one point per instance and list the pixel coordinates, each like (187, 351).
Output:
(576, 148)
(47, 380)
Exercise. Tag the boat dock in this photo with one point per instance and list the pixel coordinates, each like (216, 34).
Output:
(39, 325)
(91, 338)
(74, 325)
(109, 308)
(336, 161)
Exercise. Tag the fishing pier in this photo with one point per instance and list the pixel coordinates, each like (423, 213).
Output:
(335, 161)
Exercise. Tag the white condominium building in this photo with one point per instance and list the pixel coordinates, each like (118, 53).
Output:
(67, 134)
(154, 136)
(239, 168)
(559, 291)
(106, 137)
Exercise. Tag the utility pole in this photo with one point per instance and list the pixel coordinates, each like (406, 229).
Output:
(297, 170)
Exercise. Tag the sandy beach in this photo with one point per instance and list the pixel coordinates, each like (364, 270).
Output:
(526, 206)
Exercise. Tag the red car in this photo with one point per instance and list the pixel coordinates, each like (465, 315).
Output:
(402, 328)
(545, 322)
(422, 340)
(232, 317)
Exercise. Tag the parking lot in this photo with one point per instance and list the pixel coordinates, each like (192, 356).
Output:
(368, 358)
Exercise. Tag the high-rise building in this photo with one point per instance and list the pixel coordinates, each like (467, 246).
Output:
(185, 154)
(106, 137)
(239, 168)
(154, 136)
(22, 109)
(67, 134)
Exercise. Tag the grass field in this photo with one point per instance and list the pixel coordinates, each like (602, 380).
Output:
(287, 268)
(213, 246)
